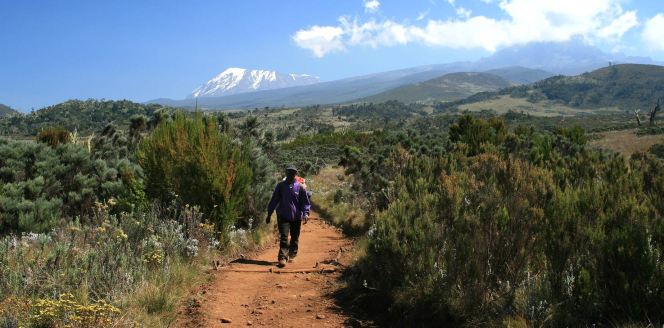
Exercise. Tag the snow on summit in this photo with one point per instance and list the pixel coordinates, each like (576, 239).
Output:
(240, 80)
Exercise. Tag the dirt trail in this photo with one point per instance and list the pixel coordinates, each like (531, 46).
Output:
(254, 292)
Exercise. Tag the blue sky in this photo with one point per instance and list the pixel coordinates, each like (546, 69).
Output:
(57, 50)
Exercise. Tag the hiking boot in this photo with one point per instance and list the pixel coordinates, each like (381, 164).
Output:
(282, 263)
(291, 259)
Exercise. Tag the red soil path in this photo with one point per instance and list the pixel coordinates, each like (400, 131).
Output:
(254, 292)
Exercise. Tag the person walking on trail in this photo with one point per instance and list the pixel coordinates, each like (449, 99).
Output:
(291, 202)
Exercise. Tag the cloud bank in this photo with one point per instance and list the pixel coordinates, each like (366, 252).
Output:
(525, 21)
(653, 33)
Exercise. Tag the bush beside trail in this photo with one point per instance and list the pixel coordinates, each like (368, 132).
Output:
(527, 227)
(92, 238)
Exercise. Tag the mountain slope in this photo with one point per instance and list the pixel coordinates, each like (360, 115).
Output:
(569, 58)
(332, 92)
(625, 86)
(448, 87)
(240, 80)
(7, 111)
(520, 75)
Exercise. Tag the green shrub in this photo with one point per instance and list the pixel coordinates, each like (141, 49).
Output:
(54, 136)
(525, 227)
(657, 150)
(189, 160)
(42, 185)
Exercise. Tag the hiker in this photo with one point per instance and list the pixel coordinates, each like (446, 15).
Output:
(291, 202)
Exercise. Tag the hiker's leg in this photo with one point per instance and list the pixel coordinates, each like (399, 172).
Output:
(284, 227)
(294, 237)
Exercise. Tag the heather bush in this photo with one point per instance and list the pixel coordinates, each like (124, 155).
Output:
(54, 136)
(519, 227)
(189, 159)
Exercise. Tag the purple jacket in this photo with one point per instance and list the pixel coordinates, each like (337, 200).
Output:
(290, 201)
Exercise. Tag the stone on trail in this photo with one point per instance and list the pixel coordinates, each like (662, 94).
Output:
(226, 320)
(320, 316)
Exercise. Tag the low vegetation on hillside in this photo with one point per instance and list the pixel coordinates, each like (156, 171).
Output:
(623, 87)
(517, 226)
(448, 87)
(83, 116)
(115, 231)
(469, 219)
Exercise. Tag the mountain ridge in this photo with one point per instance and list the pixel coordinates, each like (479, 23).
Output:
(7, 111)
(556, 58)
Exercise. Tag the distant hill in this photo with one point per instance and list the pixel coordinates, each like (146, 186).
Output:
(7, 111)
(568, 58)
(626, 86)
(520, 75)
(331, 92)
(86, 116)
(448, 87)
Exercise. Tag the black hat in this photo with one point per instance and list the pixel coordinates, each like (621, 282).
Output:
(291, 168)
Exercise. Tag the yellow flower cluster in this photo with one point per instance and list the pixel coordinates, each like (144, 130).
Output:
(108, 227)
(67, 312)
(154, 258)
(208, 228)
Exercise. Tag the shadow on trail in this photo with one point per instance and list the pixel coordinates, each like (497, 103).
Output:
(367, 308)
(254, 262)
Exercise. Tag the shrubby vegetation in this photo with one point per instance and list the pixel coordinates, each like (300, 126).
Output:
(84, 116)
(190, 159)
(467, 220)
(84, 274)
(43, 185)
(657, 150)
(112, 229)
(519, 226)
(386, 111)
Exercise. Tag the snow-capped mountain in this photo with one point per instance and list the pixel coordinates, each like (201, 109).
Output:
(240, 80)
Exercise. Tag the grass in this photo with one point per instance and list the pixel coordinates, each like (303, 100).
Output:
(626, 142)
(155, 301)
(136, 270)
(333, 200)
(505, 103)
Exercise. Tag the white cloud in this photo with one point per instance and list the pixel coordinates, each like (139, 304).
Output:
(371, 6)
(653, 33)
(619, 26)
(422, 15)
(525, 21)
(321, 40)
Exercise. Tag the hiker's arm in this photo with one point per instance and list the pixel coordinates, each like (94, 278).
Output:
(305, 204)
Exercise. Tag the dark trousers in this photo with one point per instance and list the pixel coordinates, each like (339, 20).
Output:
(286, 250)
